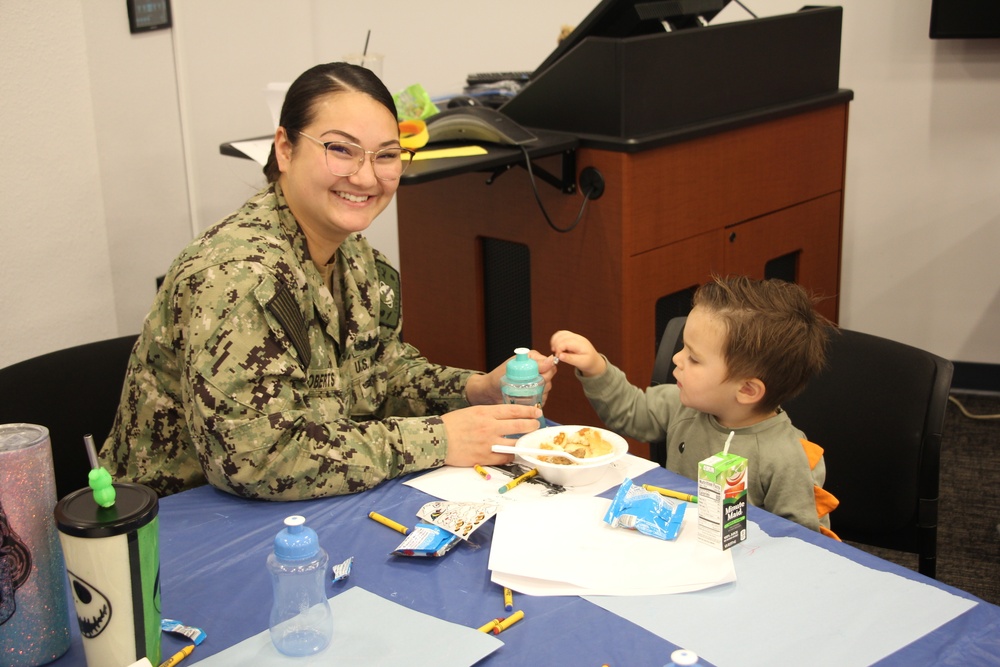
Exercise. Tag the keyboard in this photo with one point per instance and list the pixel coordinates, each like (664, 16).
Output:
(481, 78)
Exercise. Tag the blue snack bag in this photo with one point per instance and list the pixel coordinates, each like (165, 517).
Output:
(427, 540)
(649, 513)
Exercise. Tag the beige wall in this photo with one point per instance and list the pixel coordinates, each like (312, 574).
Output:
(55, 268)
(111, 163)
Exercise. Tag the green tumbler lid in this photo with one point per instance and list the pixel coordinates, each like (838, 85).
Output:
(522, 368)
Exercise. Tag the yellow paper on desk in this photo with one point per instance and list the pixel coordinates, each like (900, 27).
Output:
(456, 151)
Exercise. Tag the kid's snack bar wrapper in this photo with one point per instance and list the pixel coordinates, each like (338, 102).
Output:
(722, 500)
(197, 635)
(645, 511)
(427, 541)
(462, 519)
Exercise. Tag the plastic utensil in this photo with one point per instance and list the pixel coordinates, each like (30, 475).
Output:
(512, 449)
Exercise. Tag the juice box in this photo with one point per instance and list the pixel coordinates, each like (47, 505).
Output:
(722, 500)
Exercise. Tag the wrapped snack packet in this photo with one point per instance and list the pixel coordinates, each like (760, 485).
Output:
(462, 519)
(413, 102)
(645, 511)
(427, 540)
(343, 570)
(197, 635)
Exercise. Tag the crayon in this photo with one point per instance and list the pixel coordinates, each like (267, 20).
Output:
(508, 599)
(509, 621)
(517, 480)
(488, 627)
(671, 494)
(482, 471)
(389, 522)
(177, 657)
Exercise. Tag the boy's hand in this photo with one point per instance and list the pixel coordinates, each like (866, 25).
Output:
(577, 351)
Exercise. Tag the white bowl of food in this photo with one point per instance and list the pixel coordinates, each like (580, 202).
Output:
(584, 442)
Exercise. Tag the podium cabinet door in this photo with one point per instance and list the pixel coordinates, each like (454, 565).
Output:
(800, 244)
(659, 285)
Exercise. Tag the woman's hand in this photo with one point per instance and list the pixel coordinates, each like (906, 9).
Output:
(485, 389)
(473, 431)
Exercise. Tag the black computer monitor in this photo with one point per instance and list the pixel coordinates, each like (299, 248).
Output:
(963, 19)
(630, 18)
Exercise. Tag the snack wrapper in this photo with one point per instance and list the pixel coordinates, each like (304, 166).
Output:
(462, 519)
(649, 513)
(197, 635)
(343, 570)
(428, 541)
(413, 102)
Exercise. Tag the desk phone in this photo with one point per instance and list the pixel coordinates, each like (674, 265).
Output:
(476, 124)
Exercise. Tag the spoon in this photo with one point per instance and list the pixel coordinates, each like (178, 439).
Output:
(512, 449)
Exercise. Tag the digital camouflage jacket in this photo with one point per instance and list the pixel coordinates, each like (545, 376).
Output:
(240, 377)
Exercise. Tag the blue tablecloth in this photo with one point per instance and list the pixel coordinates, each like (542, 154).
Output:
(213, 549)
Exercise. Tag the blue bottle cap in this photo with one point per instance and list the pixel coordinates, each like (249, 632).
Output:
(522, 368)
(296, 541)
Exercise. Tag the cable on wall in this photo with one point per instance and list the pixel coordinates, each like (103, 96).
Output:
(591, 185)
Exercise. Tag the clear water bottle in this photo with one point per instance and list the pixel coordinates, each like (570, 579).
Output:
(683, 658)
(301, 620)
(522, 383)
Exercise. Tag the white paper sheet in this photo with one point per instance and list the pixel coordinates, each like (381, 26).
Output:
(255, 149)
(795, 603)
(466, 485)
(370, 631)
(734, 11)
(562, 546)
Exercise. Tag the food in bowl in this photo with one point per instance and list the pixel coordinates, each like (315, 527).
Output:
(586, 443)
(580, 474)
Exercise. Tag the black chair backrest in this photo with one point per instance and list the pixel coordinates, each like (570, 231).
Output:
(878, 410)
(71, 392)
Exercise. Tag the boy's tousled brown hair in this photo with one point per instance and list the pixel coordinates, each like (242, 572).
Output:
(773, 333)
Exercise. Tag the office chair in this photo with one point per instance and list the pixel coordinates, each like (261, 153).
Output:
(71, 392)
(878, 410)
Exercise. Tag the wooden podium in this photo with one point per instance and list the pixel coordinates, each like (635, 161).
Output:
(757, 193)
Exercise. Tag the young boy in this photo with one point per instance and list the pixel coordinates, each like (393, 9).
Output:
(749, 345)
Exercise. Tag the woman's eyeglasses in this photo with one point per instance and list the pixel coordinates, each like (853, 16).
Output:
(344, 158)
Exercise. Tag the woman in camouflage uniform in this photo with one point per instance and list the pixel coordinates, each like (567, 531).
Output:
(271, 364)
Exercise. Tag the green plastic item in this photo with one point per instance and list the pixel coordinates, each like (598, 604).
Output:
(99, 480)
(414, 103)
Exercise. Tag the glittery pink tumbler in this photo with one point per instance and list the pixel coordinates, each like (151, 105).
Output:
(34, 609)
